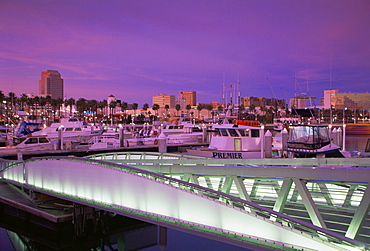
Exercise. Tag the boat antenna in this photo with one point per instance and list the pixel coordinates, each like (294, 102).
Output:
(223, 94)
(331, 65)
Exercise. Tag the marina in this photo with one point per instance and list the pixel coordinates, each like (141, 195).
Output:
(176, 126)
(144, 163)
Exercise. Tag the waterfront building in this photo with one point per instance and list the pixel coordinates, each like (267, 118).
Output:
(51, 83)
(260, 102)
(349, 100)
(297, 103)
(163, 99)
(187, 98)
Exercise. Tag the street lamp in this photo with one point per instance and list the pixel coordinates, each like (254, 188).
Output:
(345, 109)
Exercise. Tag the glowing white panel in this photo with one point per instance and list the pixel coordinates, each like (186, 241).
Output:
(133, 191)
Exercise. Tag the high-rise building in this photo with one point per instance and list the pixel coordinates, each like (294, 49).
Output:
(187, 98)
(162, 100)
(51, 83)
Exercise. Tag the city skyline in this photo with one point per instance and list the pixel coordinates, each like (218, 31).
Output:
(136, 50)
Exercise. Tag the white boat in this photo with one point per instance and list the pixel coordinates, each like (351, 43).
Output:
(312, 140)
(147, 138)
(72, 129)
(235, 142)
(28, 144)
(5, 133)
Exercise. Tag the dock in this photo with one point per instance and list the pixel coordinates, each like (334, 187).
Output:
(83, 150)
(17, 203)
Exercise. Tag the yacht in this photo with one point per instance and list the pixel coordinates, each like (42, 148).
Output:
(232, 141)
(312, 140)
(146, 137)
(72, 129)
(28, 144)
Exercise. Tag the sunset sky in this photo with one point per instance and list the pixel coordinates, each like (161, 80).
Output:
(140, 48)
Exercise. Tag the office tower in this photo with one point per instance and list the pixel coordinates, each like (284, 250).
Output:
(51, 83)
(188, 98)
(162, 100)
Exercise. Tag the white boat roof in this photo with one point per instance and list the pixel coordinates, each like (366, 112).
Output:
(234, 126)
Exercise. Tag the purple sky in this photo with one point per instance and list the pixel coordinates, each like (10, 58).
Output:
(140, 48)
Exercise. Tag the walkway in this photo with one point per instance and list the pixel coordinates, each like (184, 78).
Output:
(166, 201)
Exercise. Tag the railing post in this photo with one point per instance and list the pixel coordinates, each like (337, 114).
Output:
(268, 144)
(162, 143)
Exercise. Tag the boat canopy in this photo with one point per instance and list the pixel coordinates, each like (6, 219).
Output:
(308, 136)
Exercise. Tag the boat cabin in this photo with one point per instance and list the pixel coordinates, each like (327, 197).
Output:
(33, 143)
(237, 132)
(309, 137)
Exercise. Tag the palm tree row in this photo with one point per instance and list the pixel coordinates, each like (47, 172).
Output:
(44, 105)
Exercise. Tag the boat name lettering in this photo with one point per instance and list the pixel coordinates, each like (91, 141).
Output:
(219, 155)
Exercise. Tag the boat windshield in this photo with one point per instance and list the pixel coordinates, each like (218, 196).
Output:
(312, 137)
(233, 133)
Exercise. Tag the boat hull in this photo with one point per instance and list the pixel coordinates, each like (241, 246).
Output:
(217, 154)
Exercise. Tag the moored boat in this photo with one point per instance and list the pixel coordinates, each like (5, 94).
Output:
(72, 129)
(233, 141)
(312, 140)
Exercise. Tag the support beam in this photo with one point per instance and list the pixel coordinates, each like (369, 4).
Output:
(194, 179)
(295, 194)
(254, 189)
(360, 215)
(275, 185)
(227, 185)
(312, 210)
(241, 188)
(208, 182)
(185, 177)
(283, 195)
(326, 194)
(351, 191)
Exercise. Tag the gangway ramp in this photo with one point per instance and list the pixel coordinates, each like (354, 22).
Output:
(330, 193)
(170, 202)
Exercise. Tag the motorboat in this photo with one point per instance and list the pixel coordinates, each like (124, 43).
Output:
(312, 140)
(72, 129)
(232, 141)
(5, 132)
(144, 137)
(28, 144)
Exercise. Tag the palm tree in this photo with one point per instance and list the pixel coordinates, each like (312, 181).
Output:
(145, 106)
(124, 106)
(81, 105)
(199, 108)
(209, 108)
(112, 106)
(70, 102)
(155, 108)
(101, 105)
(42, 104)
(23, 100)
(134, 107)
(178, 108)
(252, 108)
(188, 108)
(166, 107)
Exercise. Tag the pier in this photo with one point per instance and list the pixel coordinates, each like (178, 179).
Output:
(286, 206)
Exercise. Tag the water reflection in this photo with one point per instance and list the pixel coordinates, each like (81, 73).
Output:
(356, 143)
(124, 234)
